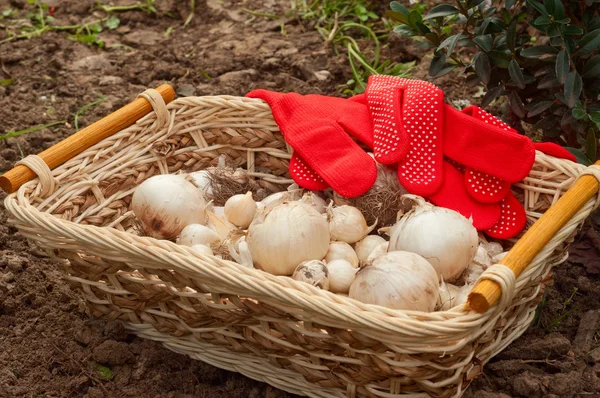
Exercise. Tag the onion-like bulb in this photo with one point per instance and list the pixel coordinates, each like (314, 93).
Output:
(202, 180)
(397, 280)
(347, 224)
(377, 252)
(442, 236)
(240, 209)
(279, 198)
(341, 276)
(341, 251)
(313, 272)
(203, 249)
(197, 234)
(286, 236)
(366, 246)
(164, 204)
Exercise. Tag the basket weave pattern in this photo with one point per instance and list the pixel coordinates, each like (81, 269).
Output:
(274, 329)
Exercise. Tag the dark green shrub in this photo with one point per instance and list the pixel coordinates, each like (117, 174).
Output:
(543, 58)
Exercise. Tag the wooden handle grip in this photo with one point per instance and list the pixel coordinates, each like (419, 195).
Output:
(486, 293)
(85, 138)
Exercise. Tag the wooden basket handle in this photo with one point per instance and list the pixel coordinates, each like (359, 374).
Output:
(85, 138)
(487, 292)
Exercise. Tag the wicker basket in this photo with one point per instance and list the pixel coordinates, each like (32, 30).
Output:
(273, 329)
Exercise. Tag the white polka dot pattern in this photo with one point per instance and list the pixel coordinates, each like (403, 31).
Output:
(512, 219)
(304, 175)
(482, 186)
(418, 133)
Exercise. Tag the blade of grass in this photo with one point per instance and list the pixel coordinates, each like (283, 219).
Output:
(30, 130)
(84, 108)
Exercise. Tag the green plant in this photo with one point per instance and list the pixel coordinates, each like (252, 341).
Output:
(146, 6)
(40, 21)
(346, 23)
(542, 58)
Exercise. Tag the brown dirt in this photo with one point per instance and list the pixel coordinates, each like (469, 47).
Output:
(47, 346)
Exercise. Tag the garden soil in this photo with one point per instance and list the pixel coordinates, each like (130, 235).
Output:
(49, 348)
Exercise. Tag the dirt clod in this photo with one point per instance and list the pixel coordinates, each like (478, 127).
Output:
(112, 353)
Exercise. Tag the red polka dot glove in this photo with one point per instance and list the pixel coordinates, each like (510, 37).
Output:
(319, 129)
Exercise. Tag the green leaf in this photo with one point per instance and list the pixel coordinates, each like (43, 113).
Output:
(404, 30)
(433, 38)
(546, 123)
(491, 95)
(580, 156)
(588, 43)
(104, 372)
(563, 21)
(399, 8)
(113, 22)
(484, 41)
(450, 42)
(555, 8)
(500, 59)
(509, 3)
(537, 51)
(593, 24)
(6, 82)
(549, 82)
(413, 18)
(592, 67)
(539, 7)
(573, 87)
(442, 10)
(573, 30)
(437, 63)
(562, 66)
(514, 70)
(516, 104)
(474, 3)
(542, 21)
(422, 28)
(538, 108)
(511, 35)
(396, 16)
(579, 113)
(483, 67)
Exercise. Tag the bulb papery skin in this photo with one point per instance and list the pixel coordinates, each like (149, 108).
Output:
(493, 248)
(164, 204)
(482, 257)
(315, 201)
(202, 180)
(341, 275)
(347, 224)
(240, 210)
(451, 296)
(313, 272)
(442, 236)
(341, 251)
(498, 257)
(279, 198)
(397, 280)
(197, 234)
(282, 238)
(203, 249)
(365, 247)
(378, 252)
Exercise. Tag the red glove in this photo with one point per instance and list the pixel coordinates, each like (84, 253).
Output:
(318, 128)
